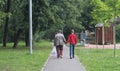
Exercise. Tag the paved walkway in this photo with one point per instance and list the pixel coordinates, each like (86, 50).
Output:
(63, 64)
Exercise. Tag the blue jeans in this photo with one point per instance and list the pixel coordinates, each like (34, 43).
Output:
(72, 46)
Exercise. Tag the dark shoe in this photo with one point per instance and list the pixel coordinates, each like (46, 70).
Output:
(70, 57)
(57, 56)
(73, 56)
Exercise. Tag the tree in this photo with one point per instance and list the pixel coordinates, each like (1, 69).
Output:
(7, 10)
(2, 17)
(48, 17)
(105, 10)
(86, 17)
(56, 14)
(18, 20)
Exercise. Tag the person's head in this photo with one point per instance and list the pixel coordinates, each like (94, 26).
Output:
(72, 31)
(60, 31)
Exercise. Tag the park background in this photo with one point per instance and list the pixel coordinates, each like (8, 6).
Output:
(48, 17)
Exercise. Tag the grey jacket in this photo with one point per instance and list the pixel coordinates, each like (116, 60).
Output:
(59, 39)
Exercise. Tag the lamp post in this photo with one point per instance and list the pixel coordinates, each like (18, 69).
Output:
(30, 24)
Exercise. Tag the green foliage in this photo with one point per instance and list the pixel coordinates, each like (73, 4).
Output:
(105, 10)
(2, 16)
(53, 15)
(39, 36)
(18, 14)
(86, 17)
(2, 13)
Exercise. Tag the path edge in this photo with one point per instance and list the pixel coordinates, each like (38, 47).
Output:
(80, 62)
(46, 62)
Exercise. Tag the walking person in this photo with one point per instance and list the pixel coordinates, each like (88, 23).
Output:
(83, 38)
(72, 39)
(59, 42)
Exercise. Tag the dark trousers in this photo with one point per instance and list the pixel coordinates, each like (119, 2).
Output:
(72, 46)
(59, 49)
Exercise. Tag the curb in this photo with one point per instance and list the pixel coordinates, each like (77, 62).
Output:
(46, 62)
(80, 62)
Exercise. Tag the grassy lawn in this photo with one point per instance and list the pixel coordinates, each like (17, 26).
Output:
(20, 59)
(99, 59)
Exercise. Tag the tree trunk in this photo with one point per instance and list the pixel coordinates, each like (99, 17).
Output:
(27, 37)
(16, 37)
(35, 26)
(7, 10)
(26, 18)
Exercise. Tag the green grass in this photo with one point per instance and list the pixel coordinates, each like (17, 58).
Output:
(99, 59)
(20, 59)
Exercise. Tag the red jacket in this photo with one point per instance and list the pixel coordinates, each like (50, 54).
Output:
(72, 38)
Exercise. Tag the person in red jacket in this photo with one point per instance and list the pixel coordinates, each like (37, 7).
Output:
(72, 39)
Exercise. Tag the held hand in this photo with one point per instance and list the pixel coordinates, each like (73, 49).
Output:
(65, 42)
